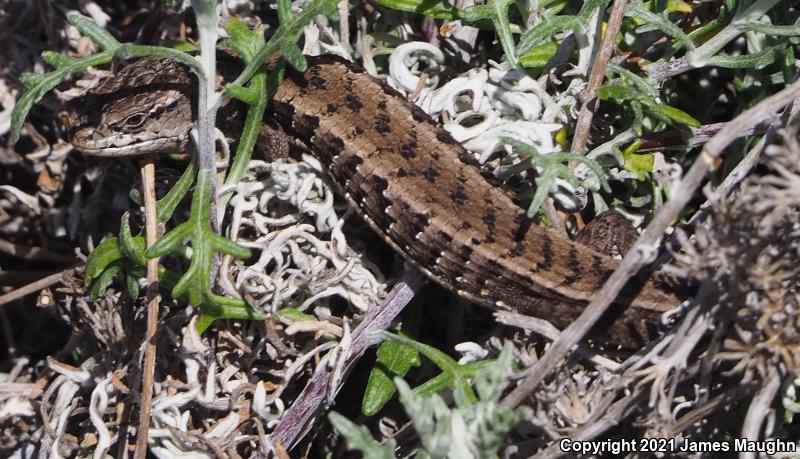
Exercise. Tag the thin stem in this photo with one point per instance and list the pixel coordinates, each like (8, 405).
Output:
(153, 299)
(34, 287)
(698, 57)
(743, 168)
(589, 95)
(207, 17)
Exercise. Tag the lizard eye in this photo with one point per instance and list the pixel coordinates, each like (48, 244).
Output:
(134, 122)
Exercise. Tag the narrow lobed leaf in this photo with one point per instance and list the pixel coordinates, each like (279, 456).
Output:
(91, 29)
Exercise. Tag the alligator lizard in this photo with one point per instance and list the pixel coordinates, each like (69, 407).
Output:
(409, 179)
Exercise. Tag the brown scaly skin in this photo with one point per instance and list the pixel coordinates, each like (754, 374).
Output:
(415, 185)
(421, 190)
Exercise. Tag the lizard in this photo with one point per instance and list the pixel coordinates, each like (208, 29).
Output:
(408, 179)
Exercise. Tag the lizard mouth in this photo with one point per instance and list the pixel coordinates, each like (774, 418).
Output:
(86, 141)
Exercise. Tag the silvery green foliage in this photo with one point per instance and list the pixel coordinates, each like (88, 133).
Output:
(464, 431)
(358, 437)
(467, 430)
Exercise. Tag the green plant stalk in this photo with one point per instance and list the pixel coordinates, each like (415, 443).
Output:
(129, 50)
(167, 205)
(196, 281)
(733, 30)
(39, 85)
(125, 251)
(285, 39)
(701, 55)
(207, 16)
(442, 360)
(252, 127)
(496, 11)
(444, 381)
(704, 29)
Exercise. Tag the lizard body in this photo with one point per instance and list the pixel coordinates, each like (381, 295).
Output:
(409, 179)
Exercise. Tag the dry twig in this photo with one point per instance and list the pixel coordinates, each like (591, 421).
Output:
(310, 402)
(151, 231)
(586, 114)
(36, 286)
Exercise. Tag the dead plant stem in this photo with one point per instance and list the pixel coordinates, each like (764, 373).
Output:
(584, 123)
(148, 368)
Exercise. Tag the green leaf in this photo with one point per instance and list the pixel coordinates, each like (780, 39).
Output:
(538, 57)
(257, 94)
(546, 30)
(228, 247)
(394, 359)
(284, 11)
(679, 116)
(552, 168)
(244, 41)
(468, 429)
(497, 12)
(30, 79)
(167, 205)
(37, 86)
(544, 183)
(285, 38)
(196, 281)
(294, 56)
(188, 285)
(129, 50)
(439, 9)
(641, 164)
(107, 252)
(658, 22)
(617, 92)
(244, 94)
(184, 46)
(664, 112)
(643, 86)
(57, 60)
(220, 307)
(291, 314)
(172, 241)
(132, 248)
(444, 381)
(678, 6)
(443, 361)
(91, 29)
(203, 322)
(757, 60)
(771, 30)
(588, 7)
(99, 284)
(132, 282)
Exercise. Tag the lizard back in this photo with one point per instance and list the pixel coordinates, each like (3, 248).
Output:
(420, 189)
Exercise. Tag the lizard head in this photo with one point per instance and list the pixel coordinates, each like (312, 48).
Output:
(145, 107)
